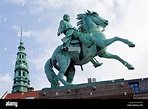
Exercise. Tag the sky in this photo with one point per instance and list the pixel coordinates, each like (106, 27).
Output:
(40, 20)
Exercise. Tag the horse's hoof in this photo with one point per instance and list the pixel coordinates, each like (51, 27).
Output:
(130, 67)
(131, 45)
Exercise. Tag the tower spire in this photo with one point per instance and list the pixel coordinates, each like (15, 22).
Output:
(21, 75)
(21, 34)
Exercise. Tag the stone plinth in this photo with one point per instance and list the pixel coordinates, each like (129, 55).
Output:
(95, 90)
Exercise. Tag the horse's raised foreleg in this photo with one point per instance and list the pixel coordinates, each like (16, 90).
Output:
(112, 56)
(64, 63)
(111, 40)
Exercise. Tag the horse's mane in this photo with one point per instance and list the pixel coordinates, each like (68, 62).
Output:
(82, 19)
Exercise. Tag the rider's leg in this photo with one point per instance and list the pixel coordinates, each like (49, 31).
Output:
(82, 38)
(66, 44)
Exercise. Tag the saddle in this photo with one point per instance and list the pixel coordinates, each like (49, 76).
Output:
(75, 45)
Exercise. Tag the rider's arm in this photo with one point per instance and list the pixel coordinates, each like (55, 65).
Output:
(61, 28)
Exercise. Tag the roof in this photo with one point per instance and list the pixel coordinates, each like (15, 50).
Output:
(22, 95)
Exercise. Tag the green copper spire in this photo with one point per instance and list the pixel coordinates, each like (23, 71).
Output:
(21, 35)
(21, 76)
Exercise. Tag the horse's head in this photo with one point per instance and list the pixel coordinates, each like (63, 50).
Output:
(98, 20)
(90, 20)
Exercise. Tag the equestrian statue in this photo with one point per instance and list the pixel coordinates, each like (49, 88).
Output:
(80, 46)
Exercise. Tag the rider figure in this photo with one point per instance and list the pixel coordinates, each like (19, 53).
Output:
(70, 32)
(66, 28)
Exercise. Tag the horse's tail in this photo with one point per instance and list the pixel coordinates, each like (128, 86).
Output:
(51, 76)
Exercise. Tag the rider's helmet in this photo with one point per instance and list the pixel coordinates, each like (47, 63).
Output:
(66, 17)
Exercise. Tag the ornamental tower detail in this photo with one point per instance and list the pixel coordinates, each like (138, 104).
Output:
(21, 76)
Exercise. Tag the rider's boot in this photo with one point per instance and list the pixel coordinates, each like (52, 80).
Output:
(96, 63)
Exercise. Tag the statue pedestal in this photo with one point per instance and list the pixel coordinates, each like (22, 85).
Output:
(95, 90)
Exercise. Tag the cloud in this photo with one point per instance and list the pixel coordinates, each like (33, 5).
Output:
(16, 28)
(5, 77)
(43, 5)
(5, 82)
(24, 33)
(123, 18)
(127, 19)
(16, 1)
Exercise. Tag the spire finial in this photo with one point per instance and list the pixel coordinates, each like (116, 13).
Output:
(21, 35)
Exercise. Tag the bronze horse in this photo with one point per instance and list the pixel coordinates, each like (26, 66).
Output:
(89, 24)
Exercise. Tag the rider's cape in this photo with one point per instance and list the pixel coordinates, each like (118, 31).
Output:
(67, 35)
(66, 28)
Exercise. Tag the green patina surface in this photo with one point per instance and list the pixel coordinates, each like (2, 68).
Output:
(81, 45)
(21, 75)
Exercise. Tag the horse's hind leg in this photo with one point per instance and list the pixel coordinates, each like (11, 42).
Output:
(51, 76)
(70, 73)
(111, 40)
(64, 63)
(111, 56)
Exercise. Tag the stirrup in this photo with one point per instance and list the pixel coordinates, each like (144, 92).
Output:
(65, 48)
(97, 65)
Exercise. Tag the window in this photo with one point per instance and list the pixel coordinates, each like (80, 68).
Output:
(23, 73)
(19, 73)
(135, 86)
(22, 56)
